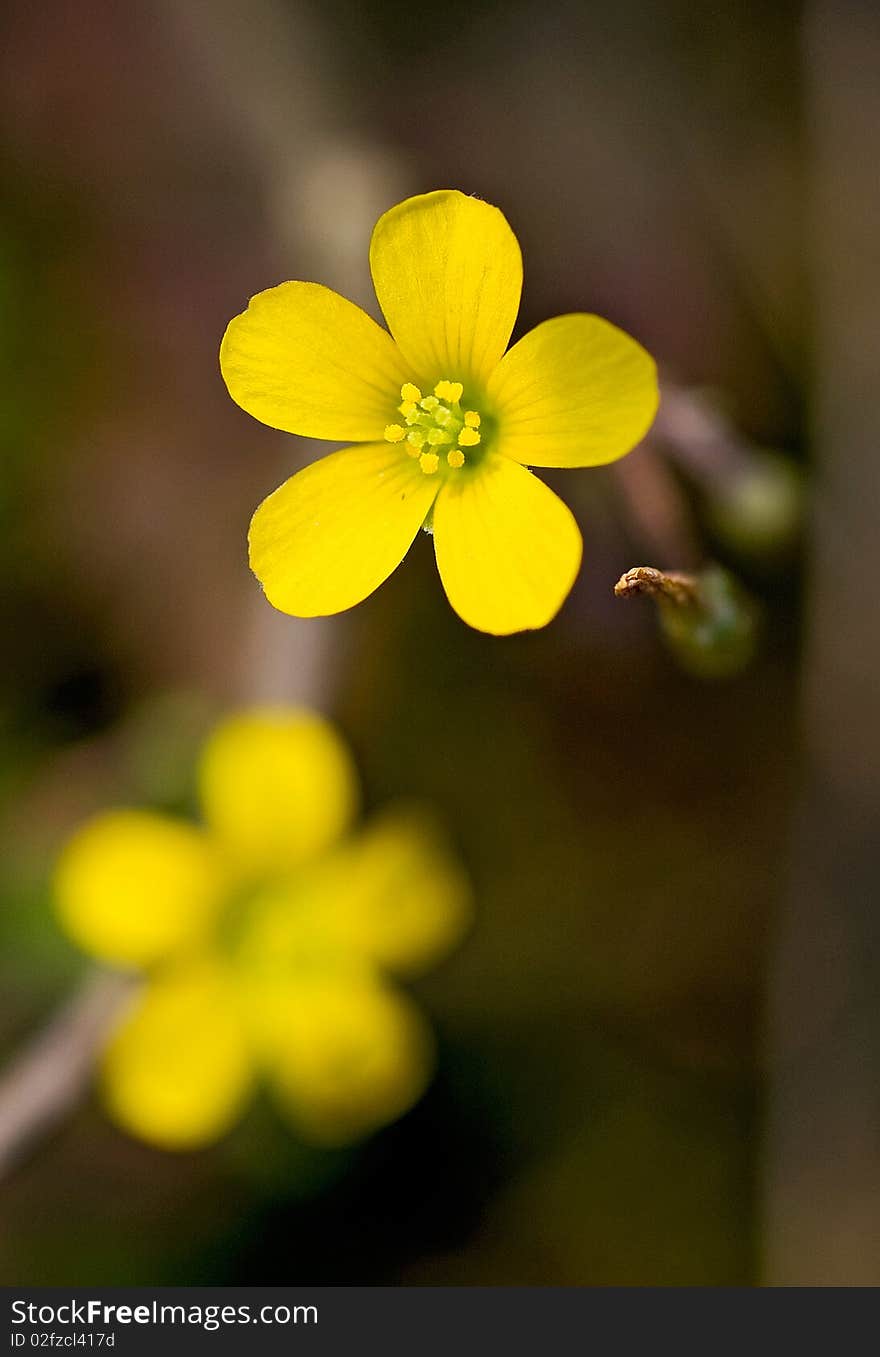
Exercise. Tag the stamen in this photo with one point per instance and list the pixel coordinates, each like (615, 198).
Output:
(435, 430)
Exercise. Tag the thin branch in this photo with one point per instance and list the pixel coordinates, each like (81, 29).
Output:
(821, 1174)
(698, 436)
(657, 512)
(46, 1079)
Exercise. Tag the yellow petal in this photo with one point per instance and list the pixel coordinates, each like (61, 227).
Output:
(575, 391)
(508, 549)
(395, 895)
(132, 887)
(331, 534)
(277, 786)
(303, 359)
(448, 275)
(345, 1053)
(178, 1069)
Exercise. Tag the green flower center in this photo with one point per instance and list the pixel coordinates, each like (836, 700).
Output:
(273, 928)
(436, 429)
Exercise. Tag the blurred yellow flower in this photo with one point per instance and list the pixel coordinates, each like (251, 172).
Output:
(445, 420)
(266, 937)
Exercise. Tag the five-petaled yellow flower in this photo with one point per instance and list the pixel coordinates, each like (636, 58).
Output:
(445, 420)
(265, 936)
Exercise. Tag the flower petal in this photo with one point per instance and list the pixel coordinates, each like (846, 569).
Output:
(447, 271)
(303, 359)
(395, 895)
(178, 1070)
(331, 534)
(507, 548)
(132, 887)
(345, 1053)
(277, 786)
(575, 391)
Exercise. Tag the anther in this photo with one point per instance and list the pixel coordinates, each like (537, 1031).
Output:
(434, 429)
(449, 391)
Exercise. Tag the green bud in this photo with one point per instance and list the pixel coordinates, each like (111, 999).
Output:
(758, 511)
(714, 635)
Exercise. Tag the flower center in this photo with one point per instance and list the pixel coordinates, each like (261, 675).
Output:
(436, 426)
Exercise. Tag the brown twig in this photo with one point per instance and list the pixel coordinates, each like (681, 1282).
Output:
(658, 515)
(698, 437)
(46, 1078)
(821, 1176)
(693, 436)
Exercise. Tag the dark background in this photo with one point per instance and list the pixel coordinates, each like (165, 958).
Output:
(601, 1111)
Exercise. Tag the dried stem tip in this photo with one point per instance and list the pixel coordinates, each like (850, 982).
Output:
(707, 620)
(681, 590)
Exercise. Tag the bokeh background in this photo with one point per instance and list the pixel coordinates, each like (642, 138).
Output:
(659, 1046)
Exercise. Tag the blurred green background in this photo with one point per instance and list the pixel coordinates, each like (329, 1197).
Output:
(597, 1114)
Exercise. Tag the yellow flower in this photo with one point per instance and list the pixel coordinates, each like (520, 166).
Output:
(267, 937)
(445, 421)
